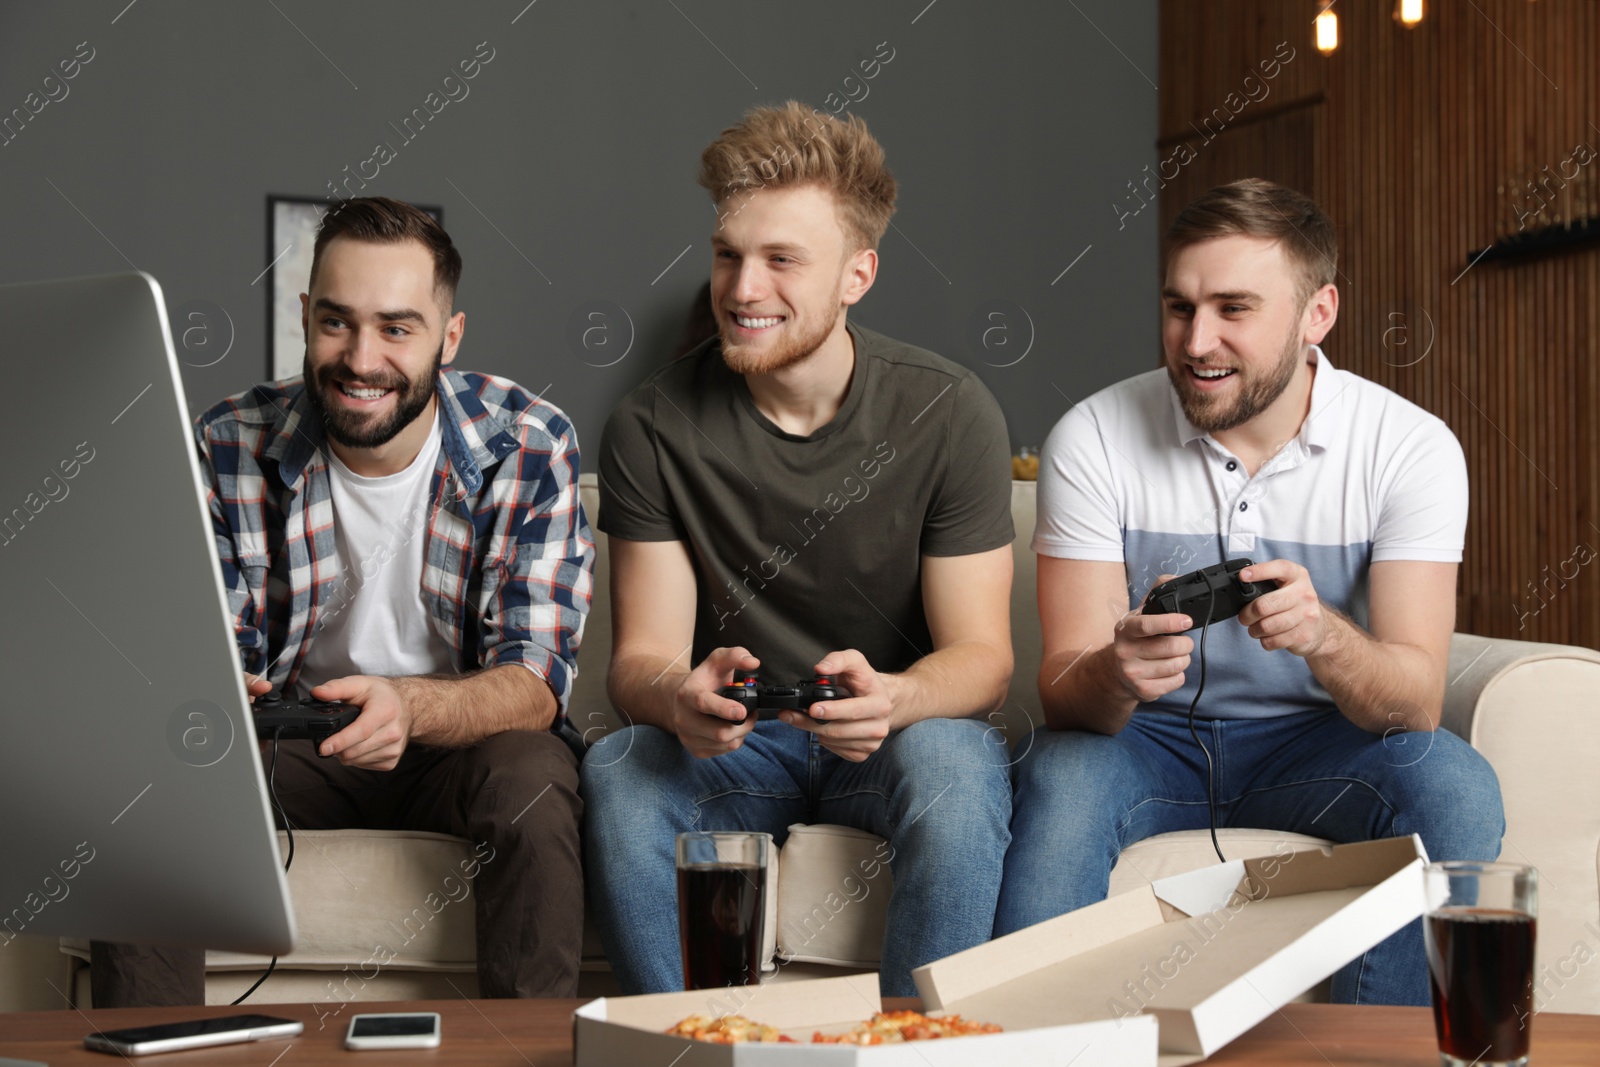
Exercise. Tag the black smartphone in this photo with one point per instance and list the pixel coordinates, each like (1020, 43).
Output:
(194, 1033)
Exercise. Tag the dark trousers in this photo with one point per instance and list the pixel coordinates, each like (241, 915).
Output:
(515, 793)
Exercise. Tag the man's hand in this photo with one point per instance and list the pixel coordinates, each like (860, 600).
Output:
(854, 728)
(1291, 616)
(256, 686)
(379, 736)
(1150, 652)
(708, 724)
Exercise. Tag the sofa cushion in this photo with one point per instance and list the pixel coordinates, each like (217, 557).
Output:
(391, 899)
(1165, 855)
(833, 895)
(370, 900)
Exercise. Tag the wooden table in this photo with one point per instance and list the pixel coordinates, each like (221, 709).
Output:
(514, 1033)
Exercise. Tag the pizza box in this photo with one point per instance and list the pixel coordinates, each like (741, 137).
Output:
(1209, 953)
(619, 1030)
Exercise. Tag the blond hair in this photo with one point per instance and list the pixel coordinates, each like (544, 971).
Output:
(780, 147)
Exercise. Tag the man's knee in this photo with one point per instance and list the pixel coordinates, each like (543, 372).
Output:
(951, 789)
(1057, 763)
(639, 767)
(1446, 791)
(950, 760)
(624, 756)
(957, 747)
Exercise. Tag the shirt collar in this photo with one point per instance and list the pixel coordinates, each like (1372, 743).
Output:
(299, 435)
(1321, 423)
(474, 438)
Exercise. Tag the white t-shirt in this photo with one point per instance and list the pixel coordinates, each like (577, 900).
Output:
(375, 621)
(1125, 477)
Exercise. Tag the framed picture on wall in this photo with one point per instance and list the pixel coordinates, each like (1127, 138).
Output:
(292, 223)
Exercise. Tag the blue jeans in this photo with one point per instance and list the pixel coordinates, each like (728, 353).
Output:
(939, 791)
(1083, 797)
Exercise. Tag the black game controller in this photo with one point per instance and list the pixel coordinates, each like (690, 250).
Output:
(1219, 586)
(765, 701)
(301, 720)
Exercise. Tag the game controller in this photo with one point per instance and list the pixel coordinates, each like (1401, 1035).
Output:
(765, 701)
(1219, 586)
(288, 719)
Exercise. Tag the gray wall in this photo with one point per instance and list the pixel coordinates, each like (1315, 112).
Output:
(1013, 129)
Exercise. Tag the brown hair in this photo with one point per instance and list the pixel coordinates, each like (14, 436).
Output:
(778, 147)
(383, 221)
(1254, 207)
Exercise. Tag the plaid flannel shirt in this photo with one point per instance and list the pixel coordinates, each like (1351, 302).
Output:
(508, 555)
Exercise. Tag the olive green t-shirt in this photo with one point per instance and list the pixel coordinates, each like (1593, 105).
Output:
(806, 545)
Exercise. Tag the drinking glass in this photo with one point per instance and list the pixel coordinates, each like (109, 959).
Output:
(721, 898)
(1480, 931)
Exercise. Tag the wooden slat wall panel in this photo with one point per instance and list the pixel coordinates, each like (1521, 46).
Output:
(1405, 138)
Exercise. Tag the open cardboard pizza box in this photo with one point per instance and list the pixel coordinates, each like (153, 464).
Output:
(1209, 953)
(1206, 954)
(628, 1030)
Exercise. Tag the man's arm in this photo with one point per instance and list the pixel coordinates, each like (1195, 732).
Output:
(218, 473)
(1101, 661)
(1388, 680)
(967, 600)
(653, 598)
(450, 711)
(537, 573)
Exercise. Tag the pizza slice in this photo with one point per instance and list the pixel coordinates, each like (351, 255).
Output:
(892, 1027)
(726, 1030)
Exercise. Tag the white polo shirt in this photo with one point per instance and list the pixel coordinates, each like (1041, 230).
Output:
(1126, 477)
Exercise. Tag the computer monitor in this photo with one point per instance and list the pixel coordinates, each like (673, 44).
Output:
(132, 800)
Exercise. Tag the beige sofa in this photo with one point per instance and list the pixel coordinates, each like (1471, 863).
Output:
(1533, 710)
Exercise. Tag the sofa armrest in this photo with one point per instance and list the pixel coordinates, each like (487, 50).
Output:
(34, 975)
(1481, 664)
(1533, 711)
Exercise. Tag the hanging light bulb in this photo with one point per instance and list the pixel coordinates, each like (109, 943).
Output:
(1327, 25)
(1408, 12)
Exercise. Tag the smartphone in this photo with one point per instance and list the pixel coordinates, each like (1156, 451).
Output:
(196, 1033)
(387, 1030)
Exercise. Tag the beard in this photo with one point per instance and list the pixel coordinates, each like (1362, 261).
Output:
(749, 359)
(1256, 392)
(355, 429)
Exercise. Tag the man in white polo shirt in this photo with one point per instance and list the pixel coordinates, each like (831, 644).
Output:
(1322, 701)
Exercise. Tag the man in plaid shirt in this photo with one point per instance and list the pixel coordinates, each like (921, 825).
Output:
(408, 539)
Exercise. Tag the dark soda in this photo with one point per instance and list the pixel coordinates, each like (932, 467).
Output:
(1480, 963)
(719, 924)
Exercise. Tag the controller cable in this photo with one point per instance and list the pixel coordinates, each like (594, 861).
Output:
(1211, 785)
(272, 788)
